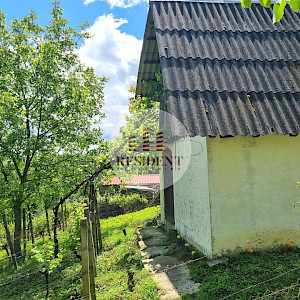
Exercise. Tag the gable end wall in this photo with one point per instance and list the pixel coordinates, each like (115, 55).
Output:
(252, 185)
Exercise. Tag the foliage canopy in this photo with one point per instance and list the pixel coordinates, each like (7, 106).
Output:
(50, 107)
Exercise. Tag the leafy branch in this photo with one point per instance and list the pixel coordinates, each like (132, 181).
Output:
(278, 7)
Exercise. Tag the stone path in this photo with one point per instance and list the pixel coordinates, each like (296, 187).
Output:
(172, 283)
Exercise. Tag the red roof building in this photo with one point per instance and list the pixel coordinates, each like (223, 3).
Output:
(138, 180)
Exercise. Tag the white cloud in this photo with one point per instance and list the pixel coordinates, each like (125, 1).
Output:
(118, 3)
(88, 1)
(115, 55)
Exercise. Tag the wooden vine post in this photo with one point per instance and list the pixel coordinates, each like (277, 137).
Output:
(97, 215)
(106, 206)
(95, 218)
(92, 251)
(88, 257)
(85, 258)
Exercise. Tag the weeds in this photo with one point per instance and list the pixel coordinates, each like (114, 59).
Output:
(244, 270)
(120, 272)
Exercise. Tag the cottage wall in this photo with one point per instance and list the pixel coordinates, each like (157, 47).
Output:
(252, 185)
(191, 193)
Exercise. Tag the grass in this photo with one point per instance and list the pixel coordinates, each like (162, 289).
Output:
(63, 282)
(120, 272)
(244, 270)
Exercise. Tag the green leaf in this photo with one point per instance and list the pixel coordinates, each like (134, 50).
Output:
(246, 3)
(265, 3)
(278, 10)
(295, 5)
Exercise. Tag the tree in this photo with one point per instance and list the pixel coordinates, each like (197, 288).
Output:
(143, 117)
(50, 104)
(278, 7)
(68, 175)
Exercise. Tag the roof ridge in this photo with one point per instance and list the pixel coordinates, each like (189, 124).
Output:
(232, 59)
(146, 175)
(212, 90)
(229, 31)
(171, 92)
(233, 31)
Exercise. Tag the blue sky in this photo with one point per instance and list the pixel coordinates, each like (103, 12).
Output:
(117, 27)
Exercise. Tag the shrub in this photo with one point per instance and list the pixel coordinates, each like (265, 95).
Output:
(70, 238)
(129, 203)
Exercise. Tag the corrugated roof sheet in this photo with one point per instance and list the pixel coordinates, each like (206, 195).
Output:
(230, 45)
(199, 16)
(230, 75)
(231, 114)
(226, 70)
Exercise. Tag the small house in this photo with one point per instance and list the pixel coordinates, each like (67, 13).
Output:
(146, 185)
(142, 182)
(232, 80)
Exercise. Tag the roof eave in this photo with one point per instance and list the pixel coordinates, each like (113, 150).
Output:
(149, 60)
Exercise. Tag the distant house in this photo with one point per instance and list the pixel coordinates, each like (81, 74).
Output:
(232, 79)
(142, 182)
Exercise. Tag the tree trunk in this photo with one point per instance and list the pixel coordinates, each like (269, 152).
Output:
(24, 232)
(27, 230)
(55, 225)
(47, 221)
(66, 216)
(85, 189)
(30, 225)
(18, 227)
(5, 247)
(62, 218)
(9, 242)
(47, 284)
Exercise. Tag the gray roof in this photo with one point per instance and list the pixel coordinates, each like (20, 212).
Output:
(227, 70)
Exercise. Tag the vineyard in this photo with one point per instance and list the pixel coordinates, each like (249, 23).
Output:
(119, 271)
(119, 257)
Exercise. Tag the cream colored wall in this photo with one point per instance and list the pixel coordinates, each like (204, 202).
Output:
(252, 187)
(191, 195)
